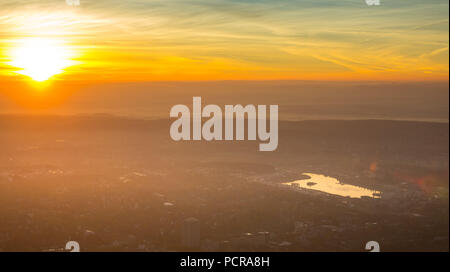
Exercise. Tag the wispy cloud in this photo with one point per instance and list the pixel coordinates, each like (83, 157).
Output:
(227, 39)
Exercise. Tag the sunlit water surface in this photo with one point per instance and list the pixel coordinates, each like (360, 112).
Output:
(333, 186)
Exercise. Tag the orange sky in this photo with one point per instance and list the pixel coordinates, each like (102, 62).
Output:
(253, 40)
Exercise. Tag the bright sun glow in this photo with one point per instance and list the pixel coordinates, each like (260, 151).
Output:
(41, 58)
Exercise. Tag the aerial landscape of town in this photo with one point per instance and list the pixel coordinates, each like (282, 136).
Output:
(121, 184)
(224, 128)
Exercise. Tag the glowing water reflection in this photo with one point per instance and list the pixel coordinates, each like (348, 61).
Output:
(333, 186)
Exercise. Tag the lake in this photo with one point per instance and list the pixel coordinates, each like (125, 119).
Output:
(332, 186)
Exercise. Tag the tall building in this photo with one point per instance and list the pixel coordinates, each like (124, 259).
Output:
(191, 233)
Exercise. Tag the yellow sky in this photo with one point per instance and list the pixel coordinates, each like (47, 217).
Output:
(226, 39)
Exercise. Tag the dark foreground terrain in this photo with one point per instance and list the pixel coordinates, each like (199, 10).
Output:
(116, 184)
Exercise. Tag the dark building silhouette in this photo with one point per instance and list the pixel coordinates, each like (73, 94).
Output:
(191, 233)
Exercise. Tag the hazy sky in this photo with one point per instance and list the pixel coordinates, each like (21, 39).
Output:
(141, 40)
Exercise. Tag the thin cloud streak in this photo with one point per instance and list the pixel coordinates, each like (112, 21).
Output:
(242, 39)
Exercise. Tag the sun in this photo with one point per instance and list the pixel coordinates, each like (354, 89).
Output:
(41, 58)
